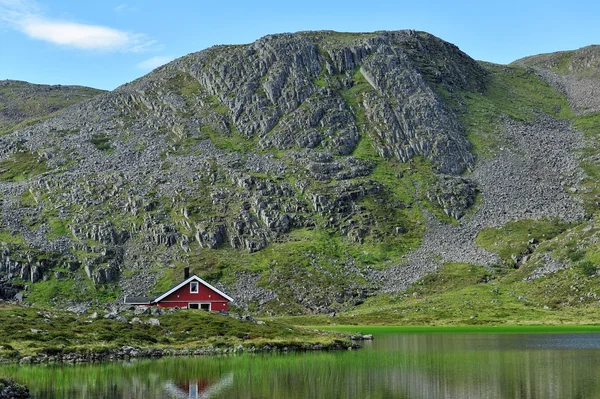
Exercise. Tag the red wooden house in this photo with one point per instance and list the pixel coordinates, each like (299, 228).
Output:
(192, 293)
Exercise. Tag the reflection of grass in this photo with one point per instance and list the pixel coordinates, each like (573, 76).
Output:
(411, 363)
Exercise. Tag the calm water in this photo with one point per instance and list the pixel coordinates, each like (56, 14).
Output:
(393, 366)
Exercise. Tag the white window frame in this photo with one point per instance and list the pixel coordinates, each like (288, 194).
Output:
(197, 284)
(200, 305)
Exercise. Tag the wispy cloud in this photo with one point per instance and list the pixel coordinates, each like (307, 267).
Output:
(124, 8)
(154, 62)
(25, 17)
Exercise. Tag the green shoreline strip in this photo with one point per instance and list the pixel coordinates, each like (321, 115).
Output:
(461, 329)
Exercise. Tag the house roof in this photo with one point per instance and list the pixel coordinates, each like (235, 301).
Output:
(193, 278)
(139, 300)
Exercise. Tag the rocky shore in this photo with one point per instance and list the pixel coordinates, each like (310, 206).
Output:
(130, 352)
(9, 389)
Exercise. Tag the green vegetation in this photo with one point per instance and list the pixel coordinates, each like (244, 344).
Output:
(588, 268)
(11, 238)
(101, 141)
(35, 103)
(58, 228)
(500, 329)
(21, 165)
(55, 292)
(590, 191)
(510, 91)
(467, 295)
(33, 331)
(517, 238)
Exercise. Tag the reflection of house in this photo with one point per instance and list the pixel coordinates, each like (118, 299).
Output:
(198, 389)
(192, 293)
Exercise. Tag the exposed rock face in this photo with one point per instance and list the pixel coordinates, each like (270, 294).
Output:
(320, 143)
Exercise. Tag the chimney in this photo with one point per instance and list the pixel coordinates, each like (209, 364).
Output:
(186, 273)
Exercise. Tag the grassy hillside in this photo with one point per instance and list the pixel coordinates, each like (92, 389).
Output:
(302, 172)
(548, 272)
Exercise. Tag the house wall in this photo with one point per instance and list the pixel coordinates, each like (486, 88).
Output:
(183, 296)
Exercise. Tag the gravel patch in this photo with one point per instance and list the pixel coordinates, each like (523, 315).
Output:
(526, 178)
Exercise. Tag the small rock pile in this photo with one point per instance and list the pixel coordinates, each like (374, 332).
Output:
(9, 389)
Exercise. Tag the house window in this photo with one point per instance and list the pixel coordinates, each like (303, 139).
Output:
(194, 287)
(201, 306)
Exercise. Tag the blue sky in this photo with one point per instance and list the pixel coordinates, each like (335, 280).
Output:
(107, 43)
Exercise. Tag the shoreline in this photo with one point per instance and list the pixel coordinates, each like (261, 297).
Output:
(503, 329)
(131, 352)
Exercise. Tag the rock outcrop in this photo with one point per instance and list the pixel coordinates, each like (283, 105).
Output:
(341, 151)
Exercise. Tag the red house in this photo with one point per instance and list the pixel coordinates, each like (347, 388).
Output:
(192, 293)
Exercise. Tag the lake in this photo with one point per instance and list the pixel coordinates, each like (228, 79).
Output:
(394, 365)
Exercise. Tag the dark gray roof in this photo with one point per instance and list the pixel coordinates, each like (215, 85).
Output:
(139, 300)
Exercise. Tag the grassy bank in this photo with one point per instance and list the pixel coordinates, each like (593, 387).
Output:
(378, 330)
(39, 332)
(466, 295)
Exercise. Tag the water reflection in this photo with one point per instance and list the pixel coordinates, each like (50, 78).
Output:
(198, 389)
(393, 366)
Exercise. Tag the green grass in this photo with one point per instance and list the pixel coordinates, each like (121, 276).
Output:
(500, 329)
(101, 141)
(58, 228)
(513, 238)
(468, 295)
(37, 106)
(21, 166)
(73, 287)
(511, 91)
(63, 332)
(589, 189)
(14, 238)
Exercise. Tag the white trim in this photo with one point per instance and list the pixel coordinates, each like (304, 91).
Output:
(172, 290)
(200, 305)
(197, 287)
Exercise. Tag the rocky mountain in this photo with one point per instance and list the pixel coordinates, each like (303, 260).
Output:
(23, 103)
(302, 173)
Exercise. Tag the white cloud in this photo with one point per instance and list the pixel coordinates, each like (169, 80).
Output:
(88, 37)
(25, 17)
(154, 62)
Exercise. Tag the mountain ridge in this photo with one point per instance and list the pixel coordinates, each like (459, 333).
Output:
(303, 173)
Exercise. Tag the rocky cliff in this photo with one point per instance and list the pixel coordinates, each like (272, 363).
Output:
(301, 173)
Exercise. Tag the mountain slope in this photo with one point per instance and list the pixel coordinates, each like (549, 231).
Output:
(302, 173)
(23, 103)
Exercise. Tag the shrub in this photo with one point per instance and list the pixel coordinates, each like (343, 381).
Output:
(588, 268)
